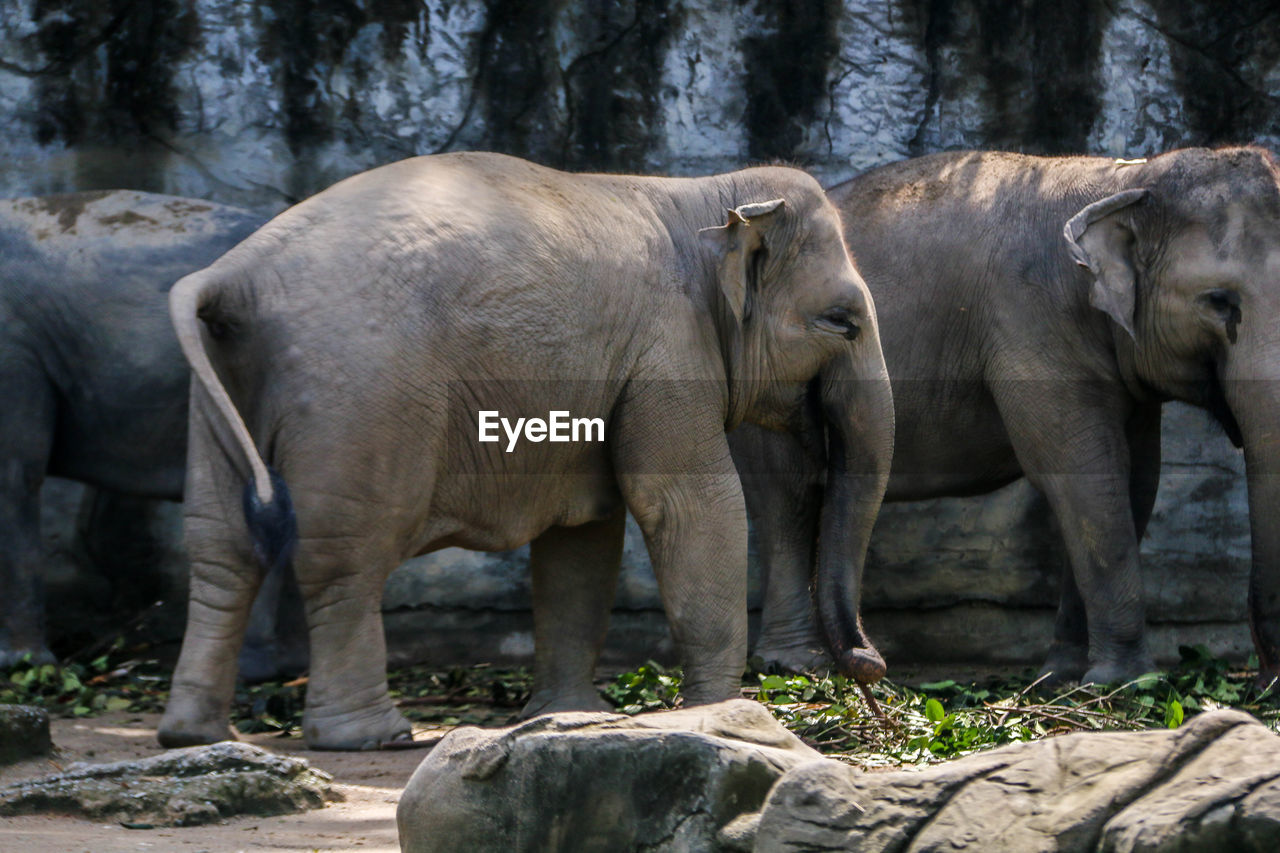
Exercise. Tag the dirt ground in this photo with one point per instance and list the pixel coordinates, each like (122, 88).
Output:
(369, 782)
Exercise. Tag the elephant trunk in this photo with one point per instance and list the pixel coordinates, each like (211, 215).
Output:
(1255, 405)
(859, 414)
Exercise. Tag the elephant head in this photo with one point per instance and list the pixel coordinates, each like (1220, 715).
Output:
(1187, 264)
(793, 292)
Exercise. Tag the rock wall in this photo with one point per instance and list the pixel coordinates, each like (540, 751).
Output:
(262, 104)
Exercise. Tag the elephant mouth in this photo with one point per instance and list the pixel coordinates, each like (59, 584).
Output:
(808, 421)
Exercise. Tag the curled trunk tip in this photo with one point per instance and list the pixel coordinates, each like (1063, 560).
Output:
(864, 665)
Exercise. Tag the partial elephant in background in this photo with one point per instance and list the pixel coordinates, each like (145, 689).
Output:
(1035, 314)
(358, 344)
(93, 383)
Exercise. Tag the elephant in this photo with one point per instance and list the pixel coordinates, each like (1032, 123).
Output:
(356, 358)
(1035, 314)
(94, 384)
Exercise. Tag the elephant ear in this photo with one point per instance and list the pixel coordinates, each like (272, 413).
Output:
(1100, 240)
(740, 243)
(741, 247)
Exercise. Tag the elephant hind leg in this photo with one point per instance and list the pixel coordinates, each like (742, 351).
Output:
(341, 576)
(575, 576)
(224, 580)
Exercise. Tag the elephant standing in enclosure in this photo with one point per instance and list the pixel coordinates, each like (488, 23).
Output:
(93, 383)
(358, 343)
(1035, 313)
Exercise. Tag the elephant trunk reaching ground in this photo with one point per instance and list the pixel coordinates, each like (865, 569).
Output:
(859, 415)
(1252, 392)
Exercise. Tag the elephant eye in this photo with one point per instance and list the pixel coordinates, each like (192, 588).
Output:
(1221, 300)
(1226, 304)
(838, 321)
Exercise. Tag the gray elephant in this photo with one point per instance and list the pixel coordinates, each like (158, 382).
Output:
(93, 382)
(1017, 348)
(398, 349)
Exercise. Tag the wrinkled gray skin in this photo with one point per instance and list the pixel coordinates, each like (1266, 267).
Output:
(1017, 350)
(93, 384)
(358, 335)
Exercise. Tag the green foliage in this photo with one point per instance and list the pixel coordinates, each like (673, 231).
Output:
(945, 719)
(81, 689)
(649, 688)
(269, 707)
(926, 723)
(480, 695)
(831, 715)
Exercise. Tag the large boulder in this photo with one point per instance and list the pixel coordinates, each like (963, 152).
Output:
(665, 781)
(181, 787)
(24, 733)
(1214, 784)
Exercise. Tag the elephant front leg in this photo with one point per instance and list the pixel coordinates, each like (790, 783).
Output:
(26, 435)
(1068, 658)
(694, 521)
(275, 643)
(22, 597)
(1080, 460)
(575, 577)
(782, 486)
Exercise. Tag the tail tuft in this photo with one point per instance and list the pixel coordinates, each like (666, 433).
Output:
(273, 527)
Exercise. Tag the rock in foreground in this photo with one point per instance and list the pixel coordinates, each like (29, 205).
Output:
(665, 781)
(24, 733)
(181, 787)
(1213, 784)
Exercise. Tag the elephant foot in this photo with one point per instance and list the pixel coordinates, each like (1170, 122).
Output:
(549, 702)
(36, 655)
(1066, 664)
(799, 657)
(352, 732)
(1118, 672)
(183, 726)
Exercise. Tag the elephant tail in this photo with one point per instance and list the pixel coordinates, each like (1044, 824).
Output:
(268, 508)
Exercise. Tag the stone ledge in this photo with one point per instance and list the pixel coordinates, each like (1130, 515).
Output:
(24, 733)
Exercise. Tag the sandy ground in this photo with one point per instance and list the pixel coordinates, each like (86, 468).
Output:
(369, 782)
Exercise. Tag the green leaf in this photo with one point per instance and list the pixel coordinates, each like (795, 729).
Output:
(1173, 715)
(773, 682)
(933, 711)
(1147, 681)
(938, 685)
